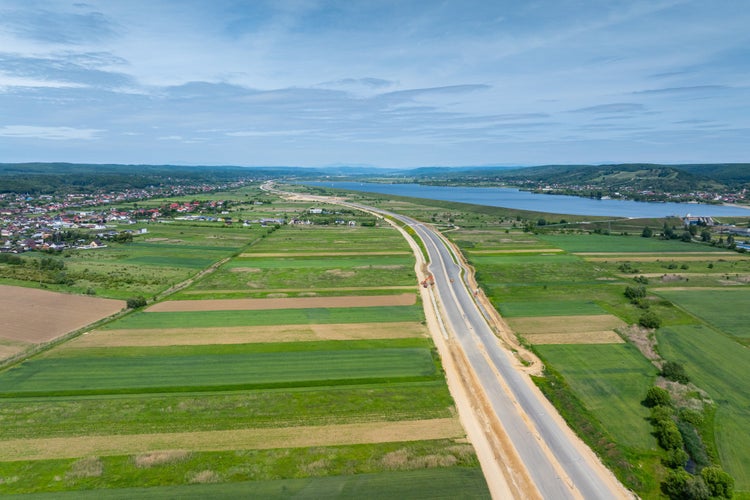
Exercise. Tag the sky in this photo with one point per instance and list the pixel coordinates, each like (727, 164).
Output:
(389, 83)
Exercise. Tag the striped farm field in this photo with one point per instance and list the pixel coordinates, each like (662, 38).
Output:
(246, 439)
(549, 308)
(565, 324)
(202, 319)
(247, 334)
(404, 299)
(220, 367)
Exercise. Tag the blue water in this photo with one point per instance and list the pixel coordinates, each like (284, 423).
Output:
(556, 204)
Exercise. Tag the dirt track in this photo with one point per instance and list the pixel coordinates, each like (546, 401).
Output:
(36, 316)
(404, 299)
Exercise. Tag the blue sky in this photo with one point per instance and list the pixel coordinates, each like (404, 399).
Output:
(375, 82)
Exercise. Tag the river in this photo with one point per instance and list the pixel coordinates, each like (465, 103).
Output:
(557, 204)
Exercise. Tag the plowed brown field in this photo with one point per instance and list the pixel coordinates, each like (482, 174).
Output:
(32, 315)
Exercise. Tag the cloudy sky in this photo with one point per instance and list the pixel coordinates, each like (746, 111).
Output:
(378, 82)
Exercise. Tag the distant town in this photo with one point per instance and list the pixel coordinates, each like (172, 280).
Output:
(83, 221)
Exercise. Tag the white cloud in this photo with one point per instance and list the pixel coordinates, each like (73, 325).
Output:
(51, 133)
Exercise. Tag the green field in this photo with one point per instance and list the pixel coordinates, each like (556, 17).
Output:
(176, 412)
(549, 308)
(726, 310)
(620, 244)
(424, 469)
(202, 319)
(334, 239)
(252, 274)
(611, 380)
(718, 365)
(212, 367)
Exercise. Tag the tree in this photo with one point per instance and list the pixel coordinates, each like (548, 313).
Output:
(706, 235)
(681, 485)
(675, 372)
(720, 484)
(647, 232)
(656, 396)
(649, 319)
(668, 435)
(676, 458)
(633, 293)
(136, 302)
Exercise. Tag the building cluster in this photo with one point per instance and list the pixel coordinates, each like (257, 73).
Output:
(47, 222)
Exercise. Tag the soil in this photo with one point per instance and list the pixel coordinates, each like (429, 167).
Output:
(404, 299)
(36, 316)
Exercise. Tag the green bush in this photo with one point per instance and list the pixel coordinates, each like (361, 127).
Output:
(656, 396)
(649, 319)
(675, 372)
(681, 485)
(720, 484)
(668, 435)
(136, 302)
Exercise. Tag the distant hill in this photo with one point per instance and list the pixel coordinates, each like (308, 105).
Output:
(62, 178)
(654, 177)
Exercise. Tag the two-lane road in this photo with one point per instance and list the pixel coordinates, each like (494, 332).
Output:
(534, 434)
(553, 458)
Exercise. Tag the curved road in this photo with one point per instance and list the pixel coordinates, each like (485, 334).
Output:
(553, 460)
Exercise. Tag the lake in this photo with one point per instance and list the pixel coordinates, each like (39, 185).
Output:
(524, 200)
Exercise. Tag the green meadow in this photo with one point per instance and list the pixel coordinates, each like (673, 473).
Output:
(620, 244)
(611, 380)
(204, 319)
(718, 365)
(369, 471)
(333, 239)
(225, 367)
(726, 310)
(142, 413)
(549, 308)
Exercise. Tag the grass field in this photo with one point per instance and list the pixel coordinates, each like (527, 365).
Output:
(446, 483)
(726, 310)
(332, 239)
(611, 380)
(163, 413)
(717, 364)
(418, 470)
(619, 244)
(220, 367)
(203, 319)
(549, 308)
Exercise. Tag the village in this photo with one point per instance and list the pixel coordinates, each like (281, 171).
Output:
(53, 223)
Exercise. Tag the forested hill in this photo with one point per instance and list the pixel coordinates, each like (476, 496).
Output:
(664, 178)
(63, 178)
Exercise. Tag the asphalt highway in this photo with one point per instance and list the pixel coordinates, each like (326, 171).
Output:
(534, 434)
(553, 461)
